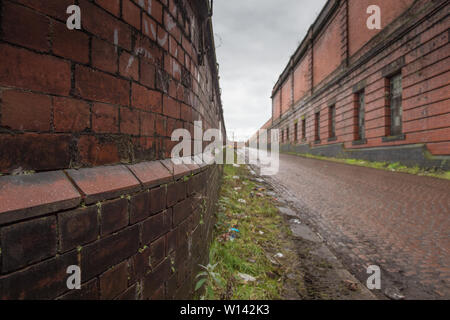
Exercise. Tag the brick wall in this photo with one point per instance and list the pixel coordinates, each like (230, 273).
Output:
(346, 60)
(136, 231)
(86, 118)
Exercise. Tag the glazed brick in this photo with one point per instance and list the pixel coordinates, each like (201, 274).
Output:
(175, 193)
(77, 227)
(114, 281)
(105, 118)
(28, 242)
(103, 183)
(97, 257)
(101, 87)
(181, 211)
(156, 279)
(178, 170)
(141, 263)
(156, 226)
(26, 111)
(28, 70)
(27, 284)
(70, 115)
(114, 216)
(158, 251)
(88, 291)
(139, 207)
(131, 294)
(25, 27)
(94, 152)
(157, 199)
(77, 49)
(151, 173)
(29, 196)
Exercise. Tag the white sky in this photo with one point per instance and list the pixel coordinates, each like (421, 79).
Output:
(254, 40)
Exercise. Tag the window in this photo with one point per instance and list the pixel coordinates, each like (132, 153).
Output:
(296, 131)
(303, 128)
(360, 109)
(287, 134)
(332, 122)
(282, 136)
(395, 104)
(317, 126)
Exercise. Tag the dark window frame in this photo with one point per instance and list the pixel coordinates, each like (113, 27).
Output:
(317, 127)
(332, 123)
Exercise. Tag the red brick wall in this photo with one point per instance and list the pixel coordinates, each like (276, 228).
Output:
(415, 44)
(137, 232)
(302, 83)
(286, 95)
(109, 93)
(85, 123)
(358, 17)
(276, 105)
(326, 48)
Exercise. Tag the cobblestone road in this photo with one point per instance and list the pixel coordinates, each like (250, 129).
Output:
(397, 221)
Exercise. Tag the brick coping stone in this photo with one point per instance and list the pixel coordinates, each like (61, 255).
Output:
(27, 196)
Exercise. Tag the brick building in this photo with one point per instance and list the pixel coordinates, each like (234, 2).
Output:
(86, 118)
(380, 95)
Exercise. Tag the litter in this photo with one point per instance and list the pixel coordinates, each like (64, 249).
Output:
(242, 201)
(246, 277)
(296, 221)
(279, 255)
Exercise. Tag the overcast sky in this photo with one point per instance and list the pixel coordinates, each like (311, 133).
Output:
(254, 40)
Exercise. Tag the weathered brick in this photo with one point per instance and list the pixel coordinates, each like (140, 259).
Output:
(157, 199)
(112, 6)
(26, 111)
(158, 251)
(77, 227)
(175, 192)
(99, 86)
(156, 279)
(145, 99)
(70, 115)
(147, 74)
(102, 254)
(70, 44)
(114, 216)
(28, 283)
(28, 242)
(114, 281)
(28, 70)
(129, 66)
(131, 294)
(105, 26)
(28, 196)
(156, 226)
(105, 118)
(103, 183)
(129, 121)
(147, 124)
(35, 151)
(25, 27)
(94, 152)
(151, 173)
(181, 211)
(139, 207)
(88, 291)
(131, 13)
(104, 55)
